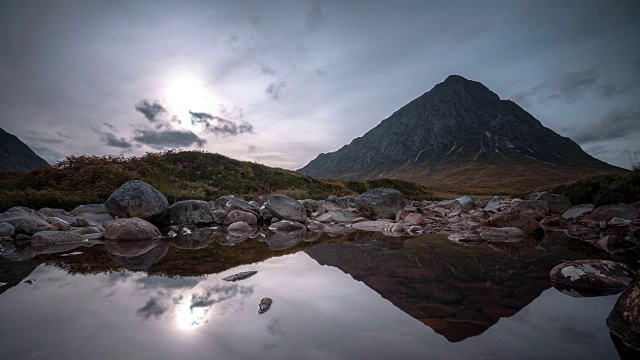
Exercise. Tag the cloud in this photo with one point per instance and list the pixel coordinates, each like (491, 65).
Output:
(150, 110)
(165, 139)
(315, 17)
(109, 138)
(617, 124)
(275, 89)
(568, 86)
(218, 293)
(159, 282)
(267, 70)
(219, 126)
(151, 308)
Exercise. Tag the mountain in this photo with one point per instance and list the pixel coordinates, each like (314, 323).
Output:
(461, 135)
(16, 155)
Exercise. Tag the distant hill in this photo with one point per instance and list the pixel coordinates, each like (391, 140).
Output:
(461, 135)
(178, 175)
(16, 155)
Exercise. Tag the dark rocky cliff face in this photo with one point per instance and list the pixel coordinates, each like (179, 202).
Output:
(16, 155)
(458, 123)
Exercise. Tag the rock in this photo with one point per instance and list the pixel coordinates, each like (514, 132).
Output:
(240, 227)
(94, 236)
(380, 203)
(505, 234)
(465, 238)
(624, 319)
(611, 243)
(338, 216)
(415, 230)
(466, 202)
(230, 202)
(582, 230)
(265, 305)
(130, 229)
(515, 218)
(22, 226)
(608, 212)
(240, 215)
(7, 230)
(22, 212)
(492, 207)
(218, 216)
(87, 230)
(95, 209)
(370, 225)
(190, 212)
(49, 212)
(69, 219)
(557, 204)
(59, 224)
(51, 242)
(337, 201)
(129, 248)
(359, 220)
(315, 225)
(310, 206)
(535, 205)
(349, 200)
(239, 276)
(287, 226)
(591, 275)
(415, 219)
(94, 218)
(138, 199)
(285, 207)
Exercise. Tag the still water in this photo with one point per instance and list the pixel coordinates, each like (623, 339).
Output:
(355, 296)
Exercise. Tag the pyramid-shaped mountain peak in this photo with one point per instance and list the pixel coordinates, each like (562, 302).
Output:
(460, 133)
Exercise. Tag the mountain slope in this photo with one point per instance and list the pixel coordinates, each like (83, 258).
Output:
(16, 155)
(460, 134)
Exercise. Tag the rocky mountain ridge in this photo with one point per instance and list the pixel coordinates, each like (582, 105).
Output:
(456, 130)
(16, 155)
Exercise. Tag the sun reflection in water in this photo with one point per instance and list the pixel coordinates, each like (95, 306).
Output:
(190, 317)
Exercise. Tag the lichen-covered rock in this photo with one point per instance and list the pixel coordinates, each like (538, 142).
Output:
(137, 199)
(624, 319)
(380, 203)
(190, 212)
(591, 275)
(505, 234)
(130, 229)
(285, 207)
(608, 212)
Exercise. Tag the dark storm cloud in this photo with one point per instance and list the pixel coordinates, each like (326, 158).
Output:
(219, 126)
(152, 308)
(315, 17)
(166, 139)
(275, 89)
(618, 124)
(150, 110)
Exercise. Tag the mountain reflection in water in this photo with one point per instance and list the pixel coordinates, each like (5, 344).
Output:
(361, 295)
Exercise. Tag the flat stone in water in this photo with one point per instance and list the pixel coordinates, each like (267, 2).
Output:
(264, 306)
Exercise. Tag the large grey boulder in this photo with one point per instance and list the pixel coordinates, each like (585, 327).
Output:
(130, 229)
(51, 242)
(285, 207)
(190, 212)
(578, 210)
(95, 209)
(608, 212)
(6, 229)
(466, 202)
(21, 225)
(136, 198)
(592, 275)
(558, 204)
(22, 212)
(380, 203)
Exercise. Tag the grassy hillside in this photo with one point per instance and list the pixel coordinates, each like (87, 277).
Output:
(179, 175)
(604, 189)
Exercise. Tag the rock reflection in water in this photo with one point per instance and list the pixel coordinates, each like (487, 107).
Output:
(198, 238)
(143, 261)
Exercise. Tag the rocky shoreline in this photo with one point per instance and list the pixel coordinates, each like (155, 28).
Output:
(136, 223)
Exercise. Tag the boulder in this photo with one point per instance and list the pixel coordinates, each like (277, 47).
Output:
(144, 261)
(506, 234)
(60, 224)
(535, 205)
(129, 248)
(50, 242)
(310, 206)
(287, 226)
(337, 201)
(591, 275)
(240, 215)
(557, 204)
(95, 209)
(138, 199)
(577, 211)
(22, 212)
(624, 319)
(7, 230)
(240, 227)
(518, 219)
(338, 216)
(285, 239)
(608, 212)
(87, 230)
(50, 212)
(466, 202)
(380, 203)
(96, 218)
(130, 229)
(492, 207)
(23, 225)
(415, 219)
(285, 207)
(190, 212)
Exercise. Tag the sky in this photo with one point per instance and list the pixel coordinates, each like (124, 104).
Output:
(278, 82)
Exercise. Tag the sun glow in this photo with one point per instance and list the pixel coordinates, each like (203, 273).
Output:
(189, 317)
(186, 93)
